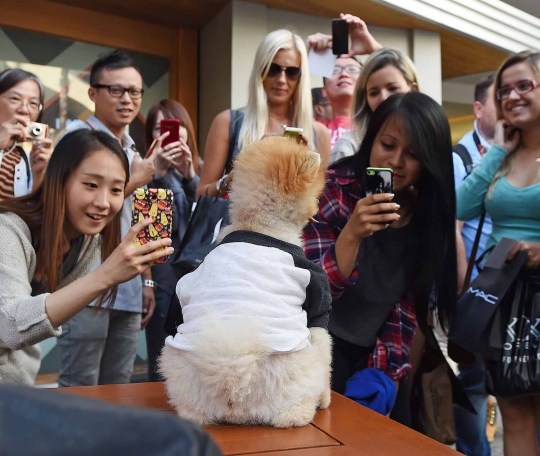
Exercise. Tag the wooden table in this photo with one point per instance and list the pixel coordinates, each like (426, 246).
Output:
(344, 429)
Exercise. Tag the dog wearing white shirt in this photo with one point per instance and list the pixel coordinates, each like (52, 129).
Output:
(254, 347)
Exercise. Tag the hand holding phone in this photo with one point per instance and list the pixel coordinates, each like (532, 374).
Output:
(155, 203)
(340, 37)
(294, 133)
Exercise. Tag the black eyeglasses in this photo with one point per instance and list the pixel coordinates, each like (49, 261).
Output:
(117, 91)
(521, 87)
(291, 72)
(351, 69)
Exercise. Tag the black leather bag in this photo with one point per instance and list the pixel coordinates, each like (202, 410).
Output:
(515, 339)
(476, 308)
(210, 215)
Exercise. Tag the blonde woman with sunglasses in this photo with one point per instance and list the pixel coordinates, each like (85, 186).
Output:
(279, 94)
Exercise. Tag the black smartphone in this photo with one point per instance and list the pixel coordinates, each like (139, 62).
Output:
(379, 180)
(340, 37)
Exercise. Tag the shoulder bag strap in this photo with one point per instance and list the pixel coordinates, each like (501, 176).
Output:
(474, 252)
(463, 153)
(234, 130)
(477, 141)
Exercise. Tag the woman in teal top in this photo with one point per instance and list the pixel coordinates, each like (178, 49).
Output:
(507, 185)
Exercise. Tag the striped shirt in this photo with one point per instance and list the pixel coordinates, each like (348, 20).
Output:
(7, 173)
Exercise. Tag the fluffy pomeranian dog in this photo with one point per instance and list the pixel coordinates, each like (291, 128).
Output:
(254, 347)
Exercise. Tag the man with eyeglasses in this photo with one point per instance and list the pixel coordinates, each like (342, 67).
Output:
(100, 347)
(339, 89)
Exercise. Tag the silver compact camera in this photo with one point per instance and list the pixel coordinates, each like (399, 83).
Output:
(36, 131)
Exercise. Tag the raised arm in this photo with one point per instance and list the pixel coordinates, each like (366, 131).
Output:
(26, 319)
(333, 240)
(362, 42)
(472, 193)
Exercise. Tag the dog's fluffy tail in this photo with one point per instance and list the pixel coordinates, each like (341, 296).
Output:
(227, 356)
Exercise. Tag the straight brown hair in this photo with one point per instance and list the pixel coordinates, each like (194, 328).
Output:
(172, 110)
(44, 211)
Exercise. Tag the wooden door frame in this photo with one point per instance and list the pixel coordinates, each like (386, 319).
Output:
(78, 24)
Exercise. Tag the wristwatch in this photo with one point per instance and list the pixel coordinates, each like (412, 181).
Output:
(149, 283)
(222, 186)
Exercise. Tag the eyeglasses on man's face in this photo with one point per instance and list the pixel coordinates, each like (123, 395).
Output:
(521, 87)
(117, 91)
(292, 72)
(351, 69)
(17, 102)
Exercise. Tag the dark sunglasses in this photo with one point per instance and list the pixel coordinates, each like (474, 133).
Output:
(291, 72)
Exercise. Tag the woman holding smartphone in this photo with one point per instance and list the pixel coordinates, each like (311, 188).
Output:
(506, 184)
(177, 167)
(279, 95)
(21, 103)
(385, 72)
(386, 254)
(52, 238)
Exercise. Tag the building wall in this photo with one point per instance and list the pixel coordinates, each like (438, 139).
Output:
(215, 69)
(249, 23)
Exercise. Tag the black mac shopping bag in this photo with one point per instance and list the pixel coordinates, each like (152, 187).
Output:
(516, 332)
(210, 215)
(478, 305)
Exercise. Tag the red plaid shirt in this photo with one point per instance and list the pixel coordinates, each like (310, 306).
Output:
(342, 192)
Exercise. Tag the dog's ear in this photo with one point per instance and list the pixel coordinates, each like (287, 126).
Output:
(310, 167)
(297, 171)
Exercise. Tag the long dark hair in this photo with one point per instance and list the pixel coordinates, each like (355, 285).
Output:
(44, 211)
(172, 110)
(11, 77)
(433, 217)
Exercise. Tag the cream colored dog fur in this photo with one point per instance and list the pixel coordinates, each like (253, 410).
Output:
(228, 377)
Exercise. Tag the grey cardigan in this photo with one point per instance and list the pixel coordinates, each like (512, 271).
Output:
(23, 321)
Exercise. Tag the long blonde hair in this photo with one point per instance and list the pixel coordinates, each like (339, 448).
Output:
(533, 59)
(256, 112)
(377, 61)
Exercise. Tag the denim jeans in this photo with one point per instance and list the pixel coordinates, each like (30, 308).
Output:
(156, 334)
(471, 428)
(98, 347)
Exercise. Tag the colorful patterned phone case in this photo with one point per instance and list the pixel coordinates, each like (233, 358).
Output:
(156, 203)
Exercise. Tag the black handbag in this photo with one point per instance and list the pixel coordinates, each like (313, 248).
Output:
(210, 215)
(455, 352)
(475, 310)
(514, 367)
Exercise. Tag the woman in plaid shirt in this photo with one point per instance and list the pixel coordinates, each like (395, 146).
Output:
(386, 254)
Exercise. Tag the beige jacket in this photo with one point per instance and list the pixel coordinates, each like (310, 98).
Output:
(23, 321)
